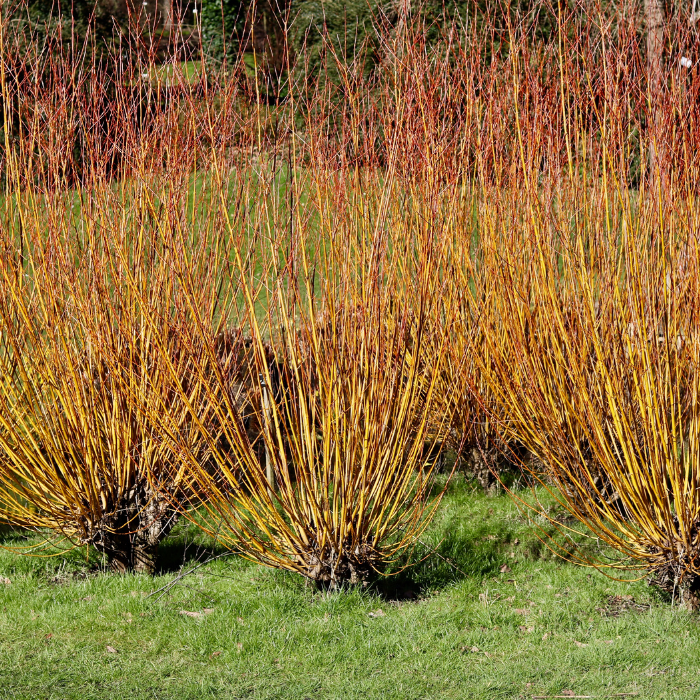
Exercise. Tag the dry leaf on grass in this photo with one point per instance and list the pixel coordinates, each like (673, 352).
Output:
(526, 629)
(5, 581)
(505, 569)
(214, 654)
(522, 611)
(580, 644)
(378, 613)
(111, 650)
(469, 650)
(188, 613)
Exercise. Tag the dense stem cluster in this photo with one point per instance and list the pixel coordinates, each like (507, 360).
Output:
(270, 319)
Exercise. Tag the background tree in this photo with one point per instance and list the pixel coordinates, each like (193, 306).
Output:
(654, 12)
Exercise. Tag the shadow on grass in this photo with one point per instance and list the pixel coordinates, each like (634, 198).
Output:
(11, 535)
(183, 552)
(457, 557)
(185, 547)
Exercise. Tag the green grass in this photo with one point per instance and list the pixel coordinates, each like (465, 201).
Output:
(535, 630)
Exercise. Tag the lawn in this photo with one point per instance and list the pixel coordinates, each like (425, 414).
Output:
(508, 620)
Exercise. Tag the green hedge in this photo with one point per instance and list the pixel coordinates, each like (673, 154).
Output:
(223, 27)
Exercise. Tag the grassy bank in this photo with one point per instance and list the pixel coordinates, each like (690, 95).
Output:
(538, 627)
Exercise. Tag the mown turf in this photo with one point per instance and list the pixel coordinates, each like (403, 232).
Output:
(543, 627)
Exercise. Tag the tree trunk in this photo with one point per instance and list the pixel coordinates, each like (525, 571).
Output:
(156, 520)
(403, 9)
(690, 598)
(145, 558)
(654, 11)
(166, 11)
(117, 547)
(130, 537)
